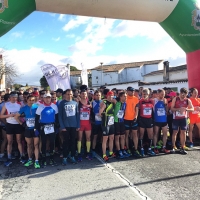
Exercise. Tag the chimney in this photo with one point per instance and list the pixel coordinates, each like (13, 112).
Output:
(166, 71)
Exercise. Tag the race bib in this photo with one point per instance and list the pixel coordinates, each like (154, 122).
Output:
(161, 112)
(147, 111)
(98, 118)
(110, 120)
(30, 122)
(84, 116)
(120, 114)
(70, 110)
(179, 114)
(48, 129)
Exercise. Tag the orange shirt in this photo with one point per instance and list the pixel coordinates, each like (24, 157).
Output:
(131, 103)
(195, 103)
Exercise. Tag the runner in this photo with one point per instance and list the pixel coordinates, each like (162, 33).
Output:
(120, 129)
(8, 111)
(107, 113)
(195, 115)
(130, 121)
(85, 124)
(96, 126)
(69, 120)
(160, 120)
(31, 136)
(146, 120)
(180, 106)
(46, 121)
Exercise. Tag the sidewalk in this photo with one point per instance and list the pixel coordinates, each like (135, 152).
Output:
(86, 180)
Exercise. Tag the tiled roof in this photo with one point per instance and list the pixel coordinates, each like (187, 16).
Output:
(162, 82)
(171, 69)
(118, 67)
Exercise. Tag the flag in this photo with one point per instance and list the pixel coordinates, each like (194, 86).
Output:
(84, 75)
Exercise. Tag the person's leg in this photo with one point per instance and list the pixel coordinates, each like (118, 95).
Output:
(122, 141)
(111, 141)
(9, 146)
(66, 138)
(182, 138)
(43, 148)
(4, 142)
(52, 138)
(88, 140)
(72, 141)
(150, 136)
(155, 136)
(174, 138)
(29, 142)
(127, 139)
(164, 131)
(198, 126)
(191, 126)
(135, 139)
(36, 147)
(19, 143)
(104, 142)
(117, 145)
(80, 135)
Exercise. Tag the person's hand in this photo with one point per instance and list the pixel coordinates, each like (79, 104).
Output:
(114, 101)
(182, 110)
(77, 129)
(64, 129)
(11, 115)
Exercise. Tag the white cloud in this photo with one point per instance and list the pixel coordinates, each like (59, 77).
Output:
(62, 17)
(56, 39)
(17, 34)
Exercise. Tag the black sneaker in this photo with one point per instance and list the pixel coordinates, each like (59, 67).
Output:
(43, 164)
(52, 162)
(182, 151)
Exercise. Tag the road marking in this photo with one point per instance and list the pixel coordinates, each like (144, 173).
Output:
(122, 178)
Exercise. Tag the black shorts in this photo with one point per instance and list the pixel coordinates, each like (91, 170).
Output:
(30, 133)
(108, 130)
(182, 123)
(146, 122)
(13, 129)
(160, 124)
(96, 129)
(119, 128)
(131, 124)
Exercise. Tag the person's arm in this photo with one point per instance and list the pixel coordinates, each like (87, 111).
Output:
(102, 107)
(60, 116)
(190, 107)
(77, 117)
(173, 105)
(17, 118)
(136, 111)
(166, 106)
(3, 111)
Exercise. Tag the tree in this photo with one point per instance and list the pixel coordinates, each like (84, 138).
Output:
(43, 82)
(16, 86)
(72, 68)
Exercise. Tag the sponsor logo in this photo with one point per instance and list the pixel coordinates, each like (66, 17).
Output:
(3, 5)
(196, 17)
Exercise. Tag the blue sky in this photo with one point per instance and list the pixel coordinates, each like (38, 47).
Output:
(57, 39)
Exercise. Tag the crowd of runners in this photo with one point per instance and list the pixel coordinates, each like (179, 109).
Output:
(74, 123)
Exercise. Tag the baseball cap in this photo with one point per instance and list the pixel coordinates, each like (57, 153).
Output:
(172, 94)
(59, 90)
(47, 95)
(110, 93)
(91, 92)
(35, 94)
(130, 89)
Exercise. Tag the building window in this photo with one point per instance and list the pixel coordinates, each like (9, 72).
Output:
(96, 77)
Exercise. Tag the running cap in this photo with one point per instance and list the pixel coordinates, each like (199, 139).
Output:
(172, 94)
(91, 92)
(130, 89)
(110, 93)
(47, 95)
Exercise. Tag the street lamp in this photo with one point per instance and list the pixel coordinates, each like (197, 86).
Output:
(101, 73)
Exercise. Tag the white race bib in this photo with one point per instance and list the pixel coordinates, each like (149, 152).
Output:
(48, 129)
(110, 120)
(84, 116)
(98, 118)
(70, 110)
(30, 122)
(178, 114)
(147, 111)
(161, 112)
(120, 114)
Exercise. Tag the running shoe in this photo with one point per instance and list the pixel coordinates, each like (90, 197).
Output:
(191, 145)
(105, 158)
(160, 143)
(186, 148)
(121, 155)
(150, 152)
(156, 151)
(64, 161)
(89, 157)
(22, 160)
(28, 163)
(52, 162)
(137, 154)
(126, 154)
(8, 163)
(164, 150)
(44, 164)
(80, 158)
(113, 155)
(93, 154)
(129, 152)
(73, 160)
(37, 165)
(182, 151)
(142, 152)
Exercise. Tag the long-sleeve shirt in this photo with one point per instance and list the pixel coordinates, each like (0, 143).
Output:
(68, 114)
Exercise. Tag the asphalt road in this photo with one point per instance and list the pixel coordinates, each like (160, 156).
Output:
(162, 177)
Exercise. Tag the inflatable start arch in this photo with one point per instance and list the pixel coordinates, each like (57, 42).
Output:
(179, 18)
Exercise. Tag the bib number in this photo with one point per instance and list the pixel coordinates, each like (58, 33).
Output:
(147, 111)
(84, 116)
(30, 122)
(70, 111)
(179, 114)
(48, 129)
(161, 112)
(110, 120)
(120, 114)
(98, 118)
